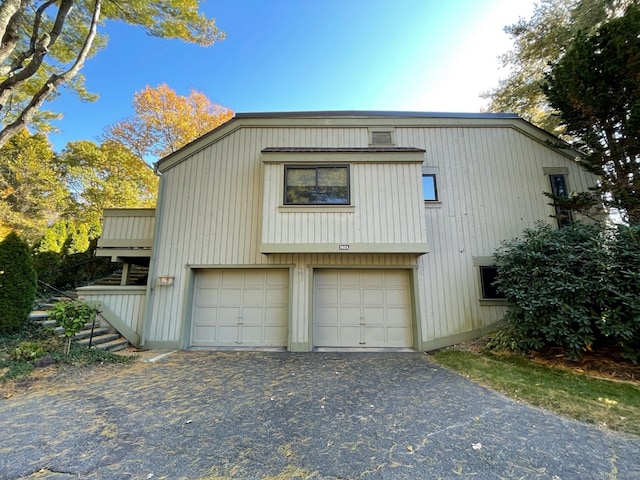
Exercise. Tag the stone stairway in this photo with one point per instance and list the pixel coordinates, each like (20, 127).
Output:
(104, 338)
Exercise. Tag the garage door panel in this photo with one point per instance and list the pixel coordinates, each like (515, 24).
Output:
(373, 296)
(230, 296)
(277, 297)
(329, 314)
(326, 335)
(372, 308)
(253, 297)
(374, 316)
(348, 334)
(373, 278)
(398, 336)
(396, 317)
(349, 295)
(349, 316)
(232, 277)
(349, 278)
(327, 296)
(394, 296)
(277, 278)
(240, 307)
(210, 280)
(209, 296)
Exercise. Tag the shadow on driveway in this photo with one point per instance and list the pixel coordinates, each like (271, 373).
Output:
(284, 416)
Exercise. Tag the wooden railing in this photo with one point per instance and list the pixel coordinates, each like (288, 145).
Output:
(126, 233)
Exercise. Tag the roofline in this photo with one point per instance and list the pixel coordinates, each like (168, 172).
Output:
(240, 119)
(374, 113)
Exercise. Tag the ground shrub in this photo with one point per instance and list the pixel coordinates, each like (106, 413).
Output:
(17, 283)
(72, 315)
(575, 288)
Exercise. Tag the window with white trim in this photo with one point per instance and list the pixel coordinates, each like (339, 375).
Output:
(316, 185)
(429, 188)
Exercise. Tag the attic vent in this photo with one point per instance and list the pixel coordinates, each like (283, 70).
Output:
(381, 138)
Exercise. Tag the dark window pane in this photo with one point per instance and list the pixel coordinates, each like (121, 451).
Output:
(429, 188)
(559, 189)
(317, 185)
(488, 276)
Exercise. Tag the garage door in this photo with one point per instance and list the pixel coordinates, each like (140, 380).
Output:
(362, 308)
(243, 308)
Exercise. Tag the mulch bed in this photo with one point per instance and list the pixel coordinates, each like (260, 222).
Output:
(602, 364)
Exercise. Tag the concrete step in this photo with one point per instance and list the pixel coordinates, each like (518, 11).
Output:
(39, 315)
(87, 333)
(100, 339)
(114, 345)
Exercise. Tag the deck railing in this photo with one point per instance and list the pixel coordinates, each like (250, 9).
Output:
(126, 233)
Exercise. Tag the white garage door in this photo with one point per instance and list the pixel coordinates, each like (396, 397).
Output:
(240, 308)
(362, 308)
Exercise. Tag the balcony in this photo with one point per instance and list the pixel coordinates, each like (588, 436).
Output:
(127, 234)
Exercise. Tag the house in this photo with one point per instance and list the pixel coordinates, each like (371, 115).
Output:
(333, 230)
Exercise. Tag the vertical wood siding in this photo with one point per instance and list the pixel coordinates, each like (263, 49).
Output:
(128, 303)
(490, 184)
(129, 227)
(387, 209)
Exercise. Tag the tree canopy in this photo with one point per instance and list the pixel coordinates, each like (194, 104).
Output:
(538, 42)
(165, 121)
(45, 44)
(106, 176)
(595, 88)
(33, 193)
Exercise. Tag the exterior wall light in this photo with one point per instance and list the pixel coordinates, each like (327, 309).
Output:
(165, 281)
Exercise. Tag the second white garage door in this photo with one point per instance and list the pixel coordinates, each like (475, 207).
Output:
(362, 308)
(240, 308)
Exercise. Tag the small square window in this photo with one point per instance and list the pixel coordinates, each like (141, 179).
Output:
(429, 188)
(316, 185)
(488, 276)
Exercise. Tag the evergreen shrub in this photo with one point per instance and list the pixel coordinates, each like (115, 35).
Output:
(17, 283)
(575, 288)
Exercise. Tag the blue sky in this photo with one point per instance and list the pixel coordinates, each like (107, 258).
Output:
(294, 55)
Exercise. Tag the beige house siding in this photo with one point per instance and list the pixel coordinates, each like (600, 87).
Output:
(490, 187)
(390, 213)
(490, 183)
(122, 306)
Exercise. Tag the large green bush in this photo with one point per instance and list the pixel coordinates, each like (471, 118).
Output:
(621, 320)
(574, 288)
(17, 283)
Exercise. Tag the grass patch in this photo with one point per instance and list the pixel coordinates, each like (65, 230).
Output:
(615, 405)
(20, 350)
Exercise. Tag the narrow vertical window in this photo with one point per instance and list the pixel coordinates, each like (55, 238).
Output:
(559, 189)
(429, 188)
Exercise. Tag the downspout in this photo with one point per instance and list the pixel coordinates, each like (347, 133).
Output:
(151, 280)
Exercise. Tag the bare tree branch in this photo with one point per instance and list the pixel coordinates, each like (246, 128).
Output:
(10, 13)
(55, 80)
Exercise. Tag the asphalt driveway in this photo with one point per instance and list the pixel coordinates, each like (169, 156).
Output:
(284, 416)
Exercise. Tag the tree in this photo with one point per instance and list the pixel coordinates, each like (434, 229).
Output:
(17, 283)
(539, 41)
(32, 190)
(595, 87)
(165, 121)
(106, 176)
(45, 44)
